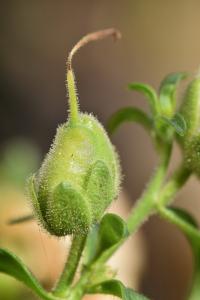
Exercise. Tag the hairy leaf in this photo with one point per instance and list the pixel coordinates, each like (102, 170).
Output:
(128, 114)
(148, 92)
(167, 92)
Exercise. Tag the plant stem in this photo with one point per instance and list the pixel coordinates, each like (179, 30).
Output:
(145, 206)
(71, 265)
(154, 197)
(177, 180)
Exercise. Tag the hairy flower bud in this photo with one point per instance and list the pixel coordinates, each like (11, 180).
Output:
(190, 110)
(80, 175)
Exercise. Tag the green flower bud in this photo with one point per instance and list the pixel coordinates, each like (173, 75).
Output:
(80, 175)
(190, 110)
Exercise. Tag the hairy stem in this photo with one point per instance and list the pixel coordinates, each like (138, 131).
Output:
(145, 205)
(71, 265)
(174, 184)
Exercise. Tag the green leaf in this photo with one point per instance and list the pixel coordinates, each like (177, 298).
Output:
(111, 231)
(178, 123)
(183, 214)
(129, 114)
(184, 221)
(115, 288)
(149, 93)
(167, 92)
(189, 227)
(11, 265)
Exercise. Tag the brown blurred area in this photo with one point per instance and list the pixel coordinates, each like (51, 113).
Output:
(158, 37)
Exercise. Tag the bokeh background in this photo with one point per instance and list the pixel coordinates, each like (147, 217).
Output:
(158, 37)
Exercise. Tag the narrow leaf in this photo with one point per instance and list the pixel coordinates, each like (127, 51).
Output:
(115, 288)
(149, 93)
(129, 114)
(108, 234)
(11, 265)
(178, 123)
(189, 227)
(167, 92)
(184, 221)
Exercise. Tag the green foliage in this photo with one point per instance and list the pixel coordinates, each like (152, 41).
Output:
(188, 225)
(13, 266)
(167, 93)
(178, 123)
(111, 231)
(115, 288)
(148, 92)
(164, 121)
(80, 177)
(129, 114)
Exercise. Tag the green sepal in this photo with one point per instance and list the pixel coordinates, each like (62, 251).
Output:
(115, 288)
(149, 93)
(100, 189)
(11, 265)
(68, 211)
(129, 114)
(167, 92)
(177, 122)
(111, 231)
(31, 187)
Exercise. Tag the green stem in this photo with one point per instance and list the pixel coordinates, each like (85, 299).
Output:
(145, 206)
(177, 180)
(71, 265)
(152, 199)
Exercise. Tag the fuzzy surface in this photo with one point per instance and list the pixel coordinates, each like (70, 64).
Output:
(78, 179)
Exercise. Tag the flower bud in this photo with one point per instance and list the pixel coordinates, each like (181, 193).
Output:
(80, 175)
(190, 110)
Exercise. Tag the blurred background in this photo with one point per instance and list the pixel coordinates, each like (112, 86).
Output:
(158, 37)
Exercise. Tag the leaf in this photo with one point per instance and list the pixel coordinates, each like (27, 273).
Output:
(178, 123)
(129, 114)
(149, 93)
(189, 227)
(184, 221)
(183, 214)
(167, 92)
(115, 288)
(104, 237)
(11, 265)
